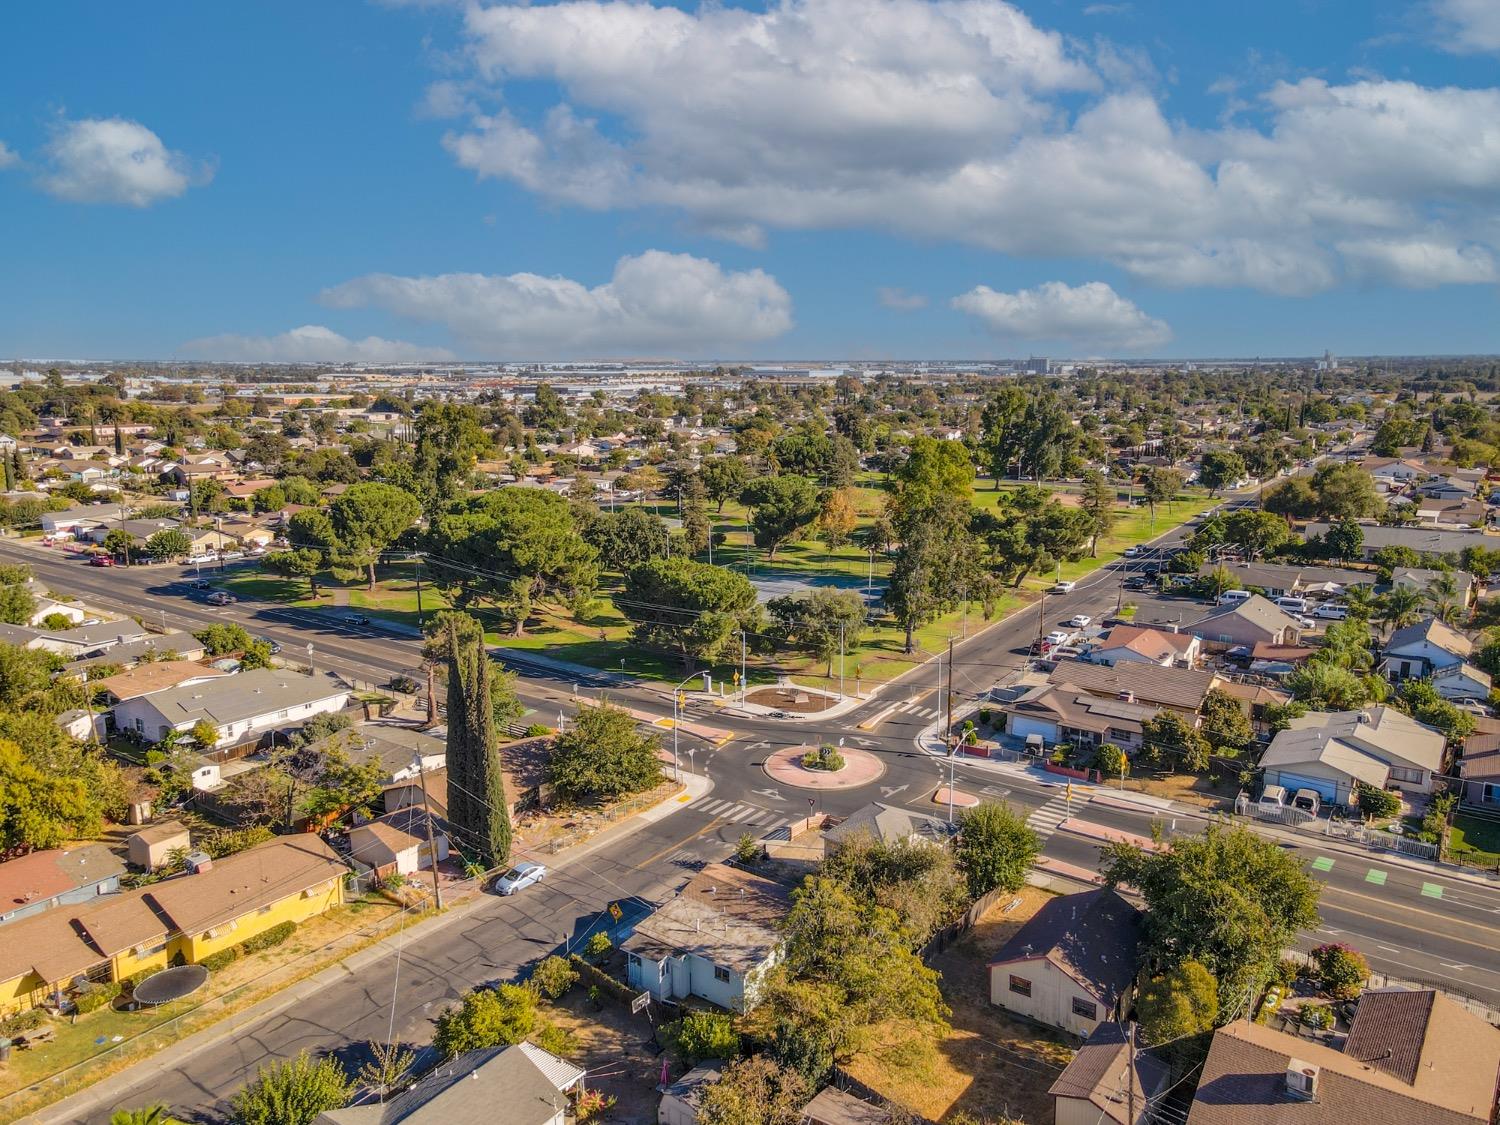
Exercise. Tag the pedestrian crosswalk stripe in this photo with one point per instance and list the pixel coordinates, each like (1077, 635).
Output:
(1044, 821)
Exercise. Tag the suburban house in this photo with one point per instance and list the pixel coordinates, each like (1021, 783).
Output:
(1424, 649)
(1423, 540)
(188, 916)
(1138, 644)
(1278, 580)
(1450, 513)
(238, 706)
(1421, 580)
(396, 748)
(88, 640)
(1409, 1057)
(1065, 713)
(1256, 620)
(148, 679)
(1176, 689)
(887, 824)
(173, 645)
(41, 881)
(520, 1085)
(1330, 751)
(396, 843)
(715, 940)
(1479, 767)
(71, 520)
(1072, 965)
(1459, 682)
(1100, 1082)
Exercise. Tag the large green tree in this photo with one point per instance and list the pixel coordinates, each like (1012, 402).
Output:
(1097, 501)
(1228, 899)
(781, 508)
(690, 608)
(487, 1017)
(294, 1092)
(1178, 1004)
(995, 848)
(603, 755)
(824, 622)
(755, 1091)
(477, 807)
(366, 520)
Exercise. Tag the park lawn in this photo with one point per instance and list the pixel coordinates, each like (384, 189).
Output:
(260, 586)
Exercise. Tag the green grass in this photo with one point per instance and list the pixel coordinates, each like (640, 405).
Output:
(1475, 834)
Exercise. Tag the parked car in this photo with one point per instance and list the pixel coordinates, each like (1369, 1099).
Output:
(219, 597)
(519, 877)
(1058, 637)
(101, 560)
(1229, 597)
(1332, 611)
(1134, 582)
(1273, 797)
(274, 646)
(1080, 621)
(1064, 587)
(1307, 800)
(1305, 622)
(201, 584)
(1292, 605)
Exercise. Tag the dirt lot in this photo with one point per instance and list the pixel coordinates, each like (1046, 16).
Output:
(1190, 789)
(611, 1046)
(800, 701)
(987, 1064)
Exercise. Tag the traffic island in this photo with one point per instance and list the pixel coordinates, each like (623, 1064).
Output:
(807, 767)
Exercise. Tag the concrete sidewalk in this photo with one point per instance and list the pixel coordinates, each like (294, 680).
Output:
(100, 1097)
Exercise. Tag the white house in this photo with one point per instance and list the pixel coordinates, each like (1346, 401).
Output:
(1073, 965)
(1134, 643)
(1458, 682)
(237, 706)
(1330, 751)
(715, 940)
(1424, 649)
(398, 842)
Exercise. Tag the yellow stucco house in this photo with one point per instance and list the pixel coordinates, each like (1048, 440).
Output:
(289, 879)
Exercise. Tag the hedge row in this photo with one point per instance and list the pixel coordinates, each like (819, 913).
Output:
(267, 940)
(594, 975)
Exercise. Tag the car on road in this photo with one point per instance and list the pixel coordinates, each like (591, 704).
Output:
(519, 877)
(1134, 582)
(219, 597)
(1057, 637)
(1080, 621)
(1132, 552)
(355, 619)
(201, 584)
(1064, 587)
(101, 560)
(273, 646)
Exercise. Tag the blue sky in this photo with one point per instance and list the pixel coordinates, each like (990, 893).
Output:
(820, 178)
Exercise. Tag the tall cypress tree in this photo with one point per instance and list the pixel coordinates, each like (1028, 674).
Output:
(477, 806)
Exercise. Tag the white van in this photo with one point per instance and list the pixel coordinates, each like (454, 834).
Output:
(1293, 605)
(1233, 597)
(1331, 611)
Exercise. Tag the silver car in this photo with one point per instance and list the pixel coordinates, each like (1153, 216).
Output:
(519, 877)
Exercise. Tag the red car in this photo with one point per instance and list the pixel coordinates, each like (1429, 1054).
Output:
(101, 560)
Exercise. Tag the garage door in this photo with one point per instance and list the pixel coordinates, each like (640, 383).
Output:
(1021, 726)
(1326, 790)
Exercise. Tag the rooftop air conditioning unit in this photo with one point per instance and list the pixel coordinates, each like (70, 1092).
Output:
(1301, 1080)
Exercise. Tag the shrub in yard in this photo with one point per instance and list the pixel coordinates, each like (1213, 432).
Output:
(22, 1022)
(1378, 802)
(554, 976)
(96, 998)
(598, 946)
(833, 761)
(746, 850)
(1341, 971)
(1317, 1016)
(706, 1035)
(559, 1040)
(294, 1092)
(270, 939)
(1288, 969)
(1111, 761)
(221, 960)
(984, 715)
(537, 730)
(487, 1017)
(592, 1105)
(812, 760)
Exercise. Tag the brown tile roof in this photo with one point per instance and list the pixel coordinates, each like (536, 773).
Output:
(1171, 687)
(1155, 644)
(1091, 935)
(1244, 1083)
(258, 876)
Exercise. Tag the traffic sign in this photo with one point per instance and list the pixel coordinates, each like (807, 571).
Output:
(615, 912)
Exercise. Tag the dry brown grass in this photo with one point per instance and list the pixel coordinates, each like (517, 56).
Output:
(1190, 789)
(610, 1047)
(987, 1064)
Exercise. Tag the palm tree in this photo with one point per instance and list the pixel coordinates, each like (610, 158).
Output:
(157, 1114)
(1400, 606)
(1442, 593)
(1360, 598)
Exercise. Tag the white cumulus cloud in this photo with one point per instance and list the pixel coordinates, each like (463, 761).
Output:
(312, 343)
(964, 120)
(1091, 315)
(654, 301)
(1468, 26)
(112, 160)
(8, 156)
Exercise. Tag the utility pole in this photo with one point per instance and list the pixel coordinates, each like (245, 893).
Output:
(419, 591)
(437, 890)
(742, 667)
(1130, 1071)
(841, 660)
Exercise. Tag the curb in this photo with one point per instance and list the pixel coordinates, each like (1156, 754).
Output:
(100, 1095)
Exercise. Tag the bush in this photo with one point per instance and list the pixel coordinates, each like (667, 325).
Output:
(221, 960)
(833, 761)
(1288, 969)
(559, 1040)
(812, 760)
(706, 1035)
(1317, 1016)
(1341, 971)
(22, 1022)
(537, 730)
(823, 758)
(746, 850)
(554, 976)
(599, 980)
(598, 946)
(1378, 802)
(270, 939)
(984, 716)
(96, 998)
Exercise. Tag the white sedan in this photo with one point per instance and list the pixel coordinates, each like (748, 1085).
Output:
(1080, 621)
(519, 877)
(1057, 637)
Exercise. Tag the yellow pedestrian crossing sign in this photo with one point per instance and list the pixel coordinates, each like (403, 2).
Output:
(615, 912)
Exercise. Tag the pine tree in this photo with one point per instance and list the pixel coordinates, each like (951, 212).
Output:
(476, 789)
